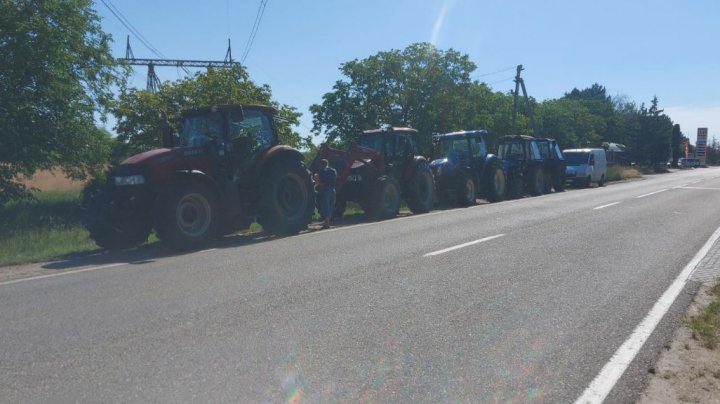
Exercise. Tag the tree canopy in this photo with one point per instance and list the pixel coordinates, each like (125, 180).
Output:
(138, 111)
(56, 75)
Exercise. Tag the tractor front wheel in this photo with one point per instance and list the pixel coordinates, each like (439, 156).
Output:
(286, 198)
(495, 184)
(537, 182)
(187, 215)
(466, 192)
(386, 198)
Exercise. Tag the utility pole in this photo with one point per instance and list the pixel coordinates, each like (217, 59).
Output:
(520, 83)
(153, 81)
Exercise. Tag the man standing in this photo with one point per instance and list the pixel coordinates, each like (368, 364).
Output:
(326, 192)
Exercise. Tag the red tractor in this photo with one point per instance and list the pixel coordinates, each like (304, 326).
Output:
(381, 171)
(223, 170)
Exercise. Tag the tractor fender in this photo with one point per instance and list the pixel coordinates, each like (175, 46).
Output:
(275, 153)
(418, 161)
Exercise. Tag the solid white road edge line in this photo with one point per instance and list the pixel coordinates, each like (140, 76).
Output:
(438, 252)
(619, 362)
(714, 189)
(33, 278)
(652, 193)
(605, 206)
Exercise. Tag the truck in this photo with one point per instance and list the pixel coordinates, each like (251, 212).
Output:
(220, 172)
(379, 172)
(464, 169)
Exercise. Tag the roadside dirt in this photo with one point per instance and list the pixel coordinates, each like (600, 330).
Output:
(54, 180)
(687, 372)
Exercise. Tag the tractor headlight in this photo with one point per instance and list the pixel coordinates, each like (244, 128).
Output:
(129, 180)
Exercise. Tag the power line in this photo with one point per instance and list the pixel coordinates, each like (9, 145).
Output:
(125, 22)
(136, 33)
(254, 30)
(500, 81)
(499, 71)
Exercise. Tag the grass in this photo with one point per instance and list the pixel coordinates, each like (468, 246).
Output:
(42, 229)
(706, 326)
(620, 173)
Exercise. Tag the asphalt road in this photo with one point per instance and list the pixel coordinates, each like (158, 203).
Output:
(521, 301)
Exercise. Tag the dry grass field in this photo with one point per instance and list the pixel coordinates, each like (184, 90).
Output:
(52, 181)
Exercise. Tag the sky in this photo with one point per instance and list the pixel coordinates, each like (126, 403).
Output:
(636, 49)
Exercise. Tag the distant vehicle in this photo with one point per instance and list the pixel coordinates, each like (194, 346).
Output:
(523, 165)
(464, 168)
(585, 166)
(688, 162)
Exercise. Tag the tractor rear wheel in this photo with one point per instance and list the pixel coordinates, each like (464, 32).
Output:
(495, 183)
(421, 191)
(386, 198)
(537, 181)
(187, 215)
(109, 226)
(286, 198)
(466, 192)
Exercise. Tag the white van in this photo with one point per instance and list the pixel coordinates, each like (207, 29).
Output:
(585, 166)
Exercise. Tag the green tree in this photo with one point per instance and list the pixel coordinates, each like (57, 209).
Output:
(138, 111)
(420, 87)
(571, 123)
(56, 72)
(676, 144)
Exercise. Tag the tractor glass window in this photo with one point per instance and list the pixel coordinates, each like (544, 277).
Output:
(252, 133)
(544, 148)
(404, 148)
(511, 151)
(201, 129)
(373, 141)
(535, 150)
(558, 152)
(479, 148)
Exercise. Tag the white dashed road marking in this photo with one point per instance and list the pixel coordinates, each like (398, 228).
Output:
(652, 193)
(457, 247)
(605, 206)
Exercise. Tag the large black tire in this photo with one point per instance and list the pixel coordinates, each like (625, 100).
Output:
(515, 190)
(466, 193)
(386, 198)
(286, 198)
(494, 183)
(421, 191)
(109, 226)
(537, 181)
(187, 215)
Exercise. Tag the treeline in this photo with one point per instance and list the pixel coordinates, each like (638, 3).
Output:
(57, 76)
(430, 89)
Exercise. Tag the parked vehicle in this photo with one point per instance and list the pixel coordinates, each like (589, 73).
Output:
(688, 162)
(554, 164)
(465, 170)
(585, 166)
(223, 170)
(523, 164)
(381, 171)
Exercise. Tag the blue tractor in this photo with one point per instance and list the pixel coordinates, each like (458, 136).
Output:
(464, 169)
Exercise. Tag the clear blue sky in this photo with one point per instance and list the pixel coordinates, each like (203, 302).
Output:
(636, 49)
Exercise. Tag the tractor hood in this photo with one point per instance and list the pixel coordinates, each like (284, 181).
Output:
(160, 164)
(149, 157)
(443, 166)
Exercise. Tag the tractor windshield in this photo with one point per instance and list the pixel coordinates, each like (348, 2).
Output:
(373, 141)
(511, 151)
(451, 148)
(200, 129)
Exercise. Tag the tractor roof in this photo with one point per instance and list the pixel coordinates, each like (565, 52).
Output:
(463, 133)
(517, 137)
(390, 131)
(229, 107)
